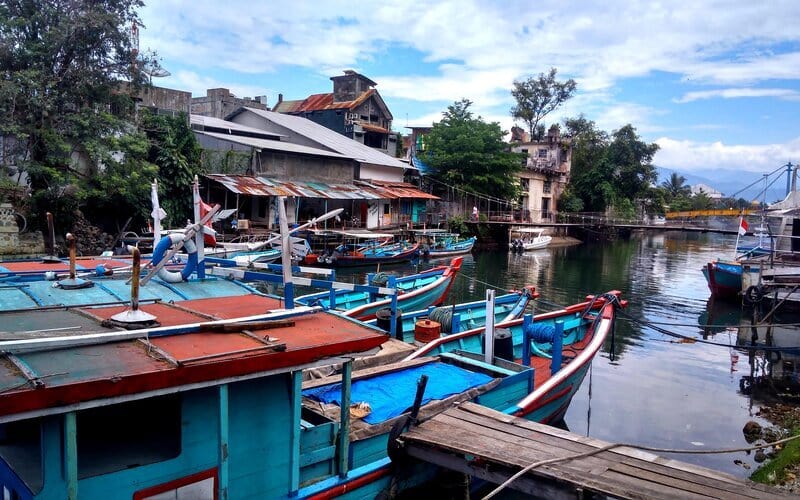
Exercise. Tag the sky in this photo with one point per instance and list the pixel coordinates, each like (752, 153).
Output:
(716, 84)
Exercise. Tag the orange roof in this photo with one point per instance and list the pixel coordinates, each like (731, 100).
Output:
(319, 102)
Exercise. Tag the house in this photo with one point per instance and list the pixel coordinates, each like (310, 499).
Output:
(354, 109)
(707, 190)
(547, 165)
(259, 155)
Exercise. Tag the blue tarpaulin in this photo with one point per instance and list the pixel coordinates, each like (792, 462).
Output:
(391, 394)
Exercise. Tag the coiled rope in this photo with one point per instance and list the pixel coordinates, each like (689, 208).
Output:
(443, 316)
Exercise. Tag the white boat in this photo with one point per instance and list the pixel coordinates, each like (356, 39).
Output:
(522, 239)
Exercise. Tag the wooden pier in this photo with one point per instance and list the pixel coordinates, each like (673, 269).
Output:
(494, 446)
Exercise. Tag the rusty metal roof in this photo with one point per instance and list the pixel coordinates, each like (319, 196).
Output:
(373, 128)
(397, 189)
(360, 190)
(264, 186)
(319, 102)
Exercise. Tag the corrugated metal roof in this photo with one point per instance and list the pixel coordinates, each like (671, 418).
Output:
(396, 189)
(200, 122)
(319, 102)
(263, 186)
(328, 138)
(273, 145)
(288, 106)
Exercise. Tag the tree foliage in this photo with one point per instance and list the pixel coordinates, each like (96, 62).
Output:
(612, 170)
(676, 186)
(537, 96)
(470, 154)
(61, 62)
(174, 148)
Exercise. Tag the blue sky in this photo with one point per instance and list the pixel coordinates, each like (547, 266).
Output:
(716, 84)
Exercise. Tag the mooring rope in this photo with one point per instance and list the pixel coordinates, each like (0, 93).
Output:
(611, 446)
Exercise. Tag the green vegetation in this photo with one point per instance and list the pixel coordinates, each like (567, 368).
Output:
(537, 96)
(609, 171)
(469, 154)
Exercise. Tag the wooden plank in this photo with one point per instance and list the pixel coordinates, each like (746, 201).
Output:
(631, 452)
(469, 427)
(645, 465)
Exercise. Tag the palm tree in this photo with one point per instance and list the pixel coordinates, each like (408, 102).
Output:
(675, 186)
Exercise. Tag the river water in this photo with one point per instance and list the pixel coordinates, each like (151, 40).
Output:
(655, 390)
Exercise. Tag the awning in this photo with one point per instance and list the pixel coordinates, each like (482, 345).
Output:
(360, 190)
(393, 189)
(263, 186)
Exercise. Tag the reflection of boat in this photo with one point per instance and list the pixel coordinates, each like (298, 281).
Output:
(417, 291)
(522, 239)
(718, 315)
(529, 368)
(440, 243)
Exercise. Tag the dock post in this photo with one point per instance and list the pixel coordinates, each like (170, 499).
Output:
(286, 254)
(223, 442)
(527, 322)
(393, 317)
(488, 336)
(71, 454)
(344, 420)
(558, 337)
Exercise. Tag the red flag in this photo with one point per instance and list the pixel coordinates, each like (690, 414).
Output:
(743, 227)
(209, 235)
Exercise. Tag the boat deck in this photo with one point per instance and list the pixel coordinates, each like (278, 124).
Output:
(47, 362)
(493, 446)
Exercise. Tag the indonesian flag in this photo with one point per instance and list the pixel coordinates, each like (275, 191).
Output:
(743, 227)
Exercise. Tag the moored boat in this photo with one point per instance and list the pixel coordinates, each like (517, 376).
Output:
(724, 278)
(436, 243)
(417, 291)
(531, 367)
(523, 239)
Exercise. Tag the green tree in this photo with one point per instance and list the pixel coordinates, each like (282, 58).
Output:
(537, 96)
(470, 154)
(61, 63)
(174, 148)
(676, 186)
(632, 159)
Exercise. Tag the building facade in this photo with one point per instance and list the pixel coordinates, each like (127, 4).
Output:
(545, 175)
(354, 109)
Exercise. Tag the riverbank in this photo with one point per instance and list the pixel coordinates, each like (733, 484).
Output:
(783, 468)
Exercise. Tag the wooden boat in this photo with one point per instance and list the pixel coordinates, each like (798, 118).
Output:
(363, 248)
(191, 409)
(448, 319)
(435, 243)
(417, 291)
(536, 366)
(724, 278)
(523, 239)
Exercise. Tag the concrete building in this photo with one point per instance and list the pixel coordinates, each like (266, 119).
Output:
(354, 109)
(546, 173)
(316, 168)
(219, 103)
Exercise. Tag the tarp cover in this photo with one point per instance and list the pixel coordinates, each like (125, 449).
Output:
(391, 394)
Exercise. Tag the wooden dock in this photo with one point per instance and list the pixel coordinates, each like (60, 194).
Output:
(494, 446)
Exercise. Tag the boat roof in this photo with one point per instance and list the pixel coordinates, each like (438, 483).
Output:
(527, 230)
(430, 231)
(52, 362)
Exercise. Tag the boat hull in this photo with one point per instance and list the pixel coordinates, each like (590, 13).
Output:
(724, 279)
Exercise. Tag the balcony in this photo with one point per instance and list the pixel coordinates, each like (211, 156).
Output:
(544, 166)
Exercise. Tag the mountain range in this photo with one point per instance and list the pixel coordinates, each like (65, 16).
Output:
(734, 183)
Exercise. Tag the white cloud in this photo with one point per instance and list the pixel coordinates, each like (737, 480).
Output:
(734, 93)
(690, 156)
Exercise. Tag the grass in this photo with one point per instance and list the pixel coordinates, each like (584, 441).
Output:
(783, 467)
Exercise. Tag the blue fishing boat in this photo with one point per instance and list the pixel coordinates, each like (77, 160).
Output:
(448, 319)
(724, 278)
(417, 291)
(530, 367)
(435, 243)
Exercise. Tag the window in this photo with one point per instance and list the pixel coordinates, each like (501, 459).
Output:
(542, 153)
(546, 186)
(525, 183)
(127, 435)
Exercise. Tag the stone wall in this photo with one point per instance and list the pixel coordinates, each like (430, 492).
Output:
(13, 243)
